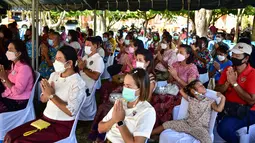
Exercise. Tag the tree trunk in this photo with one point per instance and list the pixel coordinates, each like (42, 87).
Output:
(49, 20)
(103, 17)
(202, 20)
(238, 21)
(253, 30)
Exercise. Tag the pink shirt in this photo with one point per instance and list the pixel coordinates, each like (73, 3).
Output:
(22, 78)
(169, 57)
(131, 57)
(186, 73)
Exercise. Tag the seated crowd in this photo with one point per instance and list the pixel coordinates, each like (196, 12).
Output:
(148, 78)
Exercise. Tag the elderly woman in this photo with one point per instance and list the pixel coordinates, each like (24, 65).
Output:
(63, 93)
(180, 73)
(19, 81)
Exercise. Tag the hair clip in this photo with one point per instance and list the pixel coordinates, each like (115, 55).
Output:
(135, 71)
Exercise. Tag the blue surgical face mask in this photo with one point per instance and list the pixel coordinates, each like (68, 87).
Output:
(50, 42)
(129, 94)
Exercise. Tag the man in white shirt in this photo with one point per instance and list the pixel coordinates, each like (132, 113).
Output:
(91, 65)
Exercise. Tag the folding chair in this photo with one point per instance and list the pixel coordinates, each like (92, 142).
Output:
(181, 112)
(89, 108)
(72, 136)
(11, 120)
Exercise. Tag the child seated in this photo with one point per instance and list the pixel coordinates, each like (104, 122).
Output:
(200, 107)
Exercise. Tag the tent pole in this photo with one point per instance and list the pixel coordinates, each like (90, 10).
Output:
(33, 34)
(37, 33)
(187, 37)
(95, 22)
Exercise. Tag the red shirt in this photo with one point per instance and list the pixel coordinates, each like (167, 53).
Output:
(246, 80)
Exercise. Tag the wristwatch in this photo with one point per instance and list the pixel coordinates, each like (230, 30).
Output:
(51, 96)
(235, 85)
(3, 81)
(120, 123)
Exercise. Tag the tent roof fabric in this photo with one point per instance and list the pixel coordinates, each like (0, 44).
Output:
(123, 5)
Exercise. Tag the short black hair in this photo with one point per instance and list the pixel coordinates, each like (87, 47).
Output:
(46, 28)
(90, 32)
(93, 40)
(190, 52)
(99, 39)
(245, 40)
(106, 33)
(78, 29)
(111, 33)
(223, 48)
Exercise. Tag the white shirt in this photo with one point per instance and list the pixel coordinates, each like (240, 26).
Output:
(94, 63)
(139, 121)
(101, 52)
(71, 90)
(75, 45)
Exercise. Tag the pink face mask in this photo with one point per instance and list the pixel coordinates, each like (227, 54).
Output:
(180, 57)
(131, 50)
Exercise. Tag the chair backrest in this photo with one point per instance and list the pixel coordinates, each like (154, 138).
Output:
(77, 118)
(183, 112)
(30, 101)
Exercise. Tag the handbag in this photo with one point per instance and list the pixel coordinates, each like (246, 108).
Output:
(171, 89)
(236, 110)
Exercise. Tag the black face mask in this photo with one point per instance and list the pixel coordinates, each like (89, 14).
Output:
(237, 62)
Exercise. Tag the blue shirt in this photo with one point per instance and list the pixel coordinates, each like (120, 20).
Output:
(222, 67)
(44, 69)
(29, 49)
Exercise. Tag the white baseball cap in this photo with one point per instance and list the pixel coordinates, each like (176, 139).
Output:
(241, 48)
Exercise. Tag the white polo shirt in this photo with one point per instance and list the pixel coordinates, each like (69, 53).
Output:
(94, 63)
(139, 121)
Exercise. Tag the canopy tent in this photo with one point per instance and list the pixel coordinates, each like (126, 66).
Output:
(123, 5)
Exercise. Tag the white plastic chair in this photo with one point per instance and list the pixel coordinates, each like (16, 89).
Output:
(246, 138)
(89, 108)
(181, 112)
(11, 120)
(72, 136)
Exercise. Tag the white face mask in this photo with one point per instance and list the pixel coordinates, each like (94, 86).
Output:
(194, 40)
(163, 46)
(221, 58)
(11, 56)
(180, 57)
(127, 42)
(140, 65)
(218, 39)
(59, 66)
(135, 35)
(105, 39)
(87, 50)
